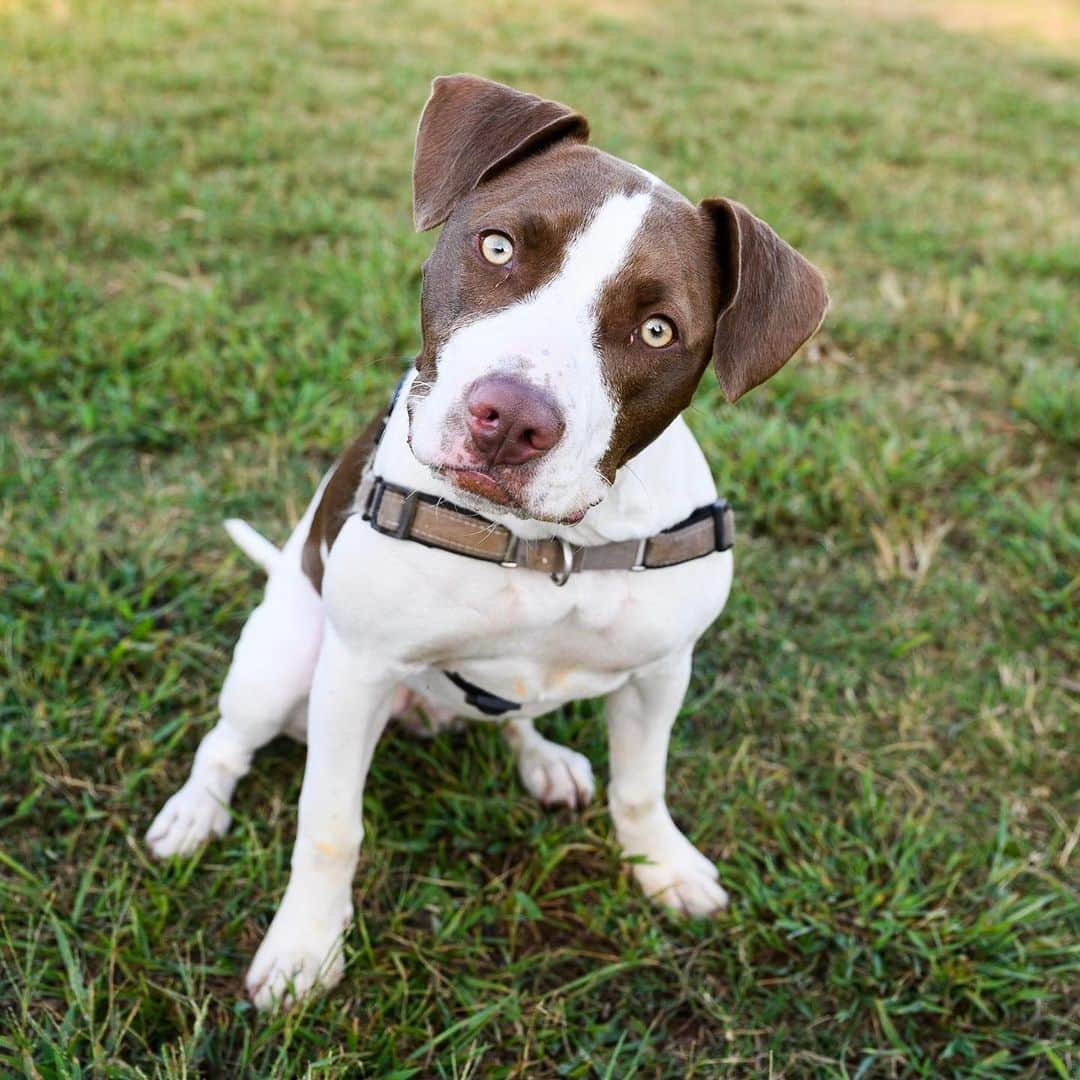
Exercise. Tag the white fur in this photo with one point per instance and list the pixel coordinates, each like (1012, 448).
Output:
(252, 544)
(549, 339)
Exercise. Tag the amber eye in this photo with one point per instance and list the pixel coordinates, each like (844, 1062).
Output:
(497, 248)
(657, 332)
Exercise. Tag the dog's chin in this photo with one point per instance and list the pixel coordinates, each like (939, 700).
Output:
(483, 488)
(482, 492)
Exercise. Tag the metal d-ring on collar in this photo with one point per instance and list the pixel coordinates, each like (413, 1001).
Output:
(566, 554)
(562, 575)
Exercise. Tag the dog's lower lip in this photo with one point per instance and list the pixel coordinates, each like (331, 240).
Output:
(478, 482)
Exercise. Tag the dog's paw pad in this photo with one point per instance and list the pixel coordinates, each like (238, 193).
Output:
(557, 776)
(185, 821)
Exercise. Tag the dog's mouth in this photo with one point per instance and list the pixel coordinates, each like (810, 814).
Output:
(490, 491)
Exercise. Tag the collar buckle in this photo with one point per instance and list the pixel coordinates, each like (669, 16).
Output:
(409, 502)
(724, 523)
(371, 503)
(406, 515)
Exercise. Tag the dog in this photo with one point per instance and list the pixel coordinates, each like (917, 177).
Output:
(530, 524)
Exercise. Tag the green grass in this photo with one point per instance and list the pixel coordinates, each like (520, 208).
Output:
(208, 279)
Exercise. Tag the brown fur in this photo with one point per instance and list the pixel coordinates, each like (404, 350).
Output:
(669, 272)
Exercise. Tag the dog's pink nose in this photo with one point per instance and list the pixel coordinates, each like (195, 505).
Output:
(510, 421)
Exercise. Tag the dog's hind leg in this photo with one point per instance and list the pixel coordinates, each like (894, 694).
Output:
(267, 684)
(553, 774)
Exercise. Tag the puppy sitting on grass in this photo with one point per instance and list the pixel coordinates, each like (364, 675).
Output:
(484, 551)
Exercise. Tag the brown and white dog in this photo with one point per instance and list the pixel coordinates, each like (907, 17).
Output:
(569, 309)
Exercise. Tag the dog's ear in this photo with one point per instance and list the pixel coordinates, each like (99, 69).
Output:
(472, 127)
(772, 300)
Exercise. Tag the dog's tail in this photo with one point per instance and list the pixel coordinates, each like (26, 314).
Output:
(254, 545)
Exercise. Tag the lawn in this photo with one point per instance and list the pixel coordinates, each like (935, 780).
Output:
(209, 280)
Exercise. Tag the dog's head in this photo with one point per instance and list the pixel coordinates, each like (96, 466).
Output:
(573, 301)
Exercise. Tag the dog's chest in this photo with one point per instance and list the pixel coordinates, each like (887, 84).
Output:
(540, 646)
(542, 655)
(513, 632)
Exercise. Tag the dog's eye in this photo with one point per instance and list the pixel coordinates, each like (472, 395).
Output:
(657, 332)
(496, 248)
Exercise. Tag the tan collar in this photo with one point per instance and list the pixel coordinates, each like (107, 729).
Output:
(413, 515)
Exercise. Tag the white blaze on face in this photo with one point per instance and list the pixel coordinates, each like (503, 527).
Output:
(549, 338)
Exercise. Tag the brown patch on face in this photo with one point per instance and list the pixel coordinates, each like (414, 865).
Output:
(461, 286)
(734, 291)
(668, 273)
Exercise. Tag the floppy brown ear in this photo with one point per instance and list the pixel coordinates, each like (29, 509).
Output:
(472, 127)
(772, 300)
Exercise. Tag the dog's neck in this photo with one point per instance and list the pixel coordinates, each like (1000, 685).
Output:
(656, 489)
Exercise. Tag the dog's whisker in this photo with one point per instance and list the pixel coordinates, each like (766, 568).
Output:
(641, 483)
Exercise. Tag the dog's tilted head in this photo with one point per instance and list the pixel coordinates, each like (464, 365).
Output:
(573, 301)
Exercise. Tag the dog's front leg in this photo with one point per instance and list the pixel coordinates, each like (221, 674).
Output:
(349, 707)
(640, 716)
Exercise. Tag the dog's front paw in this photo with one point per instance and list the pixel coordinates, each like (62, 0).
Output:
(687, 886)
(191, 816)
(556, 775)
(297, 957)
(674, 873)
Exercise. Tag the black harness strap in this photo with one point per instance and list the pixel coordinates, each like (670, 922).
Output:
(488, 703)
